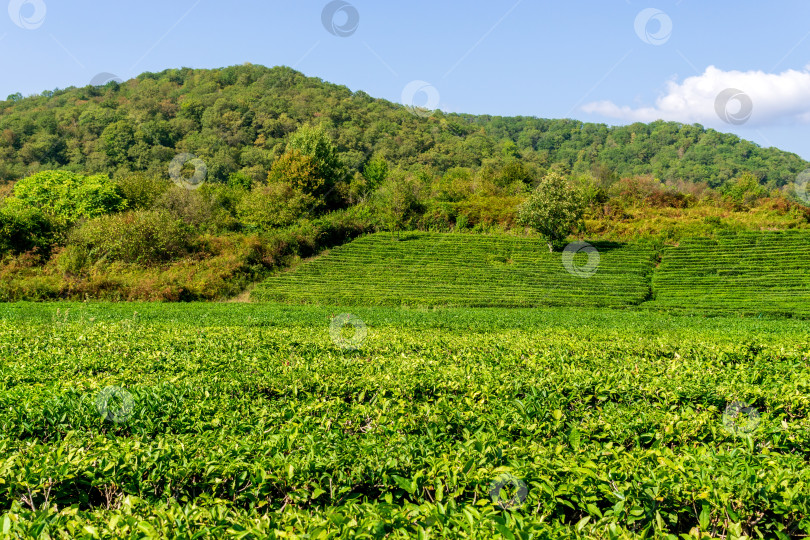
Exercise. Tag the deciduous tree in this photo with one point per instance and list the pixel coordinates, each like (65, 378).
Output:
(554, 210)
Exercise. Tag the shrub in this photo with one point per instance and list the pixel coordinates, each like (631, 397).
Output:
(462, 222)
(275, 205)
(68, 196)
(438, 216)
(193, 207)
(141, 191)
(489, 211)
(308, 237)
(397, 203)
(635, 190)
(668, 199)
(340, 227)
(142, 236)
(225, 200)
(24, 228)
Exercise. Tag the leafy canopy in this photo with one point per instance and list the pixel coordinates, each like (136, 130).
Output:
(314, 144)
(23, 229)
(554, 209)
(67, 196)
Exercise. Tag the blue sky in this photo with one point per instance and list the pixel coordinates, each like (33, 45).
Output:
(738, 67)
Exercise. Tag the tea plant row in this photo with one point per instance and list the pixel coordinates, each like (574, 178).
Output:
(463, 270)
(249, 420)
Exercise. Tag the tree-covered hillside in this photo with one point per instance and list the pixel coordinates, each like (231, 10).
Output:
(239, 118)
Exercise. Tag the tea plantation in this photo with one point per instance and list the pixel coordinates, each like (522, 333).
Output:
(272, 421)
(424, 269)
(748, 273)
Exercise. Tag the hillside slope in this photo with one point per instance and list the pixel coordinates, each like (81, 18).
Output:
(750, 273)
(747, 273)
(463, 270)
(237, 119)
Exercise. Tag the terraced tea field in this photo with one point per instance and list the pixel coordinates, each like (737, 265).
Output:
(747, 273)
(256, 421)
(464, 270)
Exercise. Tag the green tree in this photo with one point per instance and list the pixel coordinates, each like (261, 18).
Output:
(313, 143)
(398, 205)
(375, 172)
(514, 171)
(455, 185)
(297, 170)
(744, 190)
(554, 210)
(118, 137)
(509, 150)
(46, 148)
(240, 180)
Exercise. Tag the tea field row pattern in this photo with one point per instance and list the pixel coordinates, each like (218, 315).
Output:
(748, 273)
(443, 269)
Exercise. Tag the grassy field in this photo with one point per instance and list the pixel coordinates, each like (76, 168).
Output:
(264, 420)
(423, 269)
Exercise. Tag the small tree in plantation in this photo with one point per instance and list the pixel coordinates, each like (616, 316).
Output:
(554, 210)
(398, 204)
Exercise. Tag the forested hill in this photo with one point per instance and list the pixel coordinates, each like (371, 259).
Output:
(238, 119)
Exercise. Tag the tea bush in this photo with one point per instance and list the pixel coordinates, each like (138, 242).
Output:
(212, 420)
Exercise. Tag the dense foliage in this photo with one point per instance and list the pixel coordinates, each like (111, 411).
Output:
(66, 196)
(142, 236)
(24, 229)
(249, 421)
(116, 258)
(238, 119)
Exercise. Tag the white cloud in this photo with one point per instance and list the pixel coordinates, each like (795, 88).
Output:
(782, 98)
